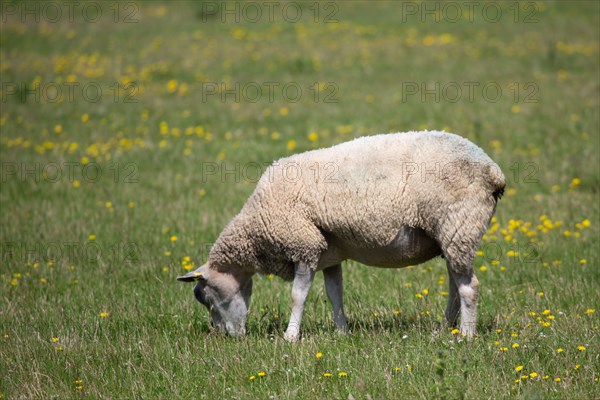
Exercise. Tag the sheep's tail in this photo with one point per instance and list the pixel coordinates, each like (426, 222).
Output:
(496, 180)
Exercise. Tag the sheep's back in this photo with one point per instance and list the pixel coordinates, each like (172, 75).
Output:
(367, 189)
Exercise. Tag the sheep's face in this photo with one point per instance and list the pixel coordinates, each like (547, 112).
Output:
(226, 297)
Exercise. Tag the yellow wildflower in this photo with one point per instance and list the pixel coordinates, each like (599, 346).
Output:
(291, 145)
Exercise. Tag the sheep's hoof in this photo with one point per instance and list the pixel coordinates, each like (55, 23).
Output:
(292, 337)
(465, 337)
(342, 331)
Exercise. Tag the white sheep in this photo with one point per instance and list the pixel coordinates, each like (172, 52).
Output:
(387, 200)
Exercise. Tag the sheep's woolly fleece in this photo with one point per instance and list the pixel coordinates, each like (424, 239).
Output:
(364, 192)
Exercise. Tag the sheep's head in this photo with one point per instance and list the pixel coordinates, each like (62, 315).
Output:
(225, 295)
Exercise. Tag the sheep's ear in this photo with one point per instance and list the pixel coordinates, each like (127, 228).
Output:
(193, 276)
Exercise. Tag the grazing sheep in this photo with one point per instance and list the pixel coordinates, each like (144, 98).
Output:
(387, 201)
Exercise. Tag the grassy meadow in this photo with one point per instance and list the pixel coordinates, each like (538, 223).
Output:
(132, 132)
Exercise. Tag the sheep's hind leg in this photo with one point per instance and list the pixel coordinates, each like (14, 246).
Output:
(335, 290)
(467, 286)
(303, 278)
(453, 306)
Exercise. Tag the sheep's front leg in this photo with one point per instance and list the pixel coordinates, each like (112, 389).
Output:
(334, 288)
(303, 278)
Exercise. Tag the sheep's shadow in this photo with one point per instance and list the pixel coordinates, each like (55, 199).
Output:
(388, 325)
(273, 324)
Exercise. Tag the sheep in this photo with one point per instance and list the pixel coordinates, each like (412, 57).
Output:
(389, 200)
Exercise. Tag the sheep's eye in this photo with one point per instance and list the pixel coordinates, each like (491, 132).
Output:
(200, 295)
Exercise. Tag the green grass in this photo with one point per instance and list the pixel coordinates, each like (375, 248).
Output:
(155, 341)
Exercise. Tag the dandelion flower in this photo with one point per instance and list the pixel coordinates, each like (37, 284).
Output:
(172, 86)
(262, 373)
(342, 374)
(173, 238)
(327, 374)
(533, 375)
(103, 314)
(575, 182)
(251, 377)
(557, 379)
(519, 368)
(581, 348)
(560, 350)
(319, 355)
